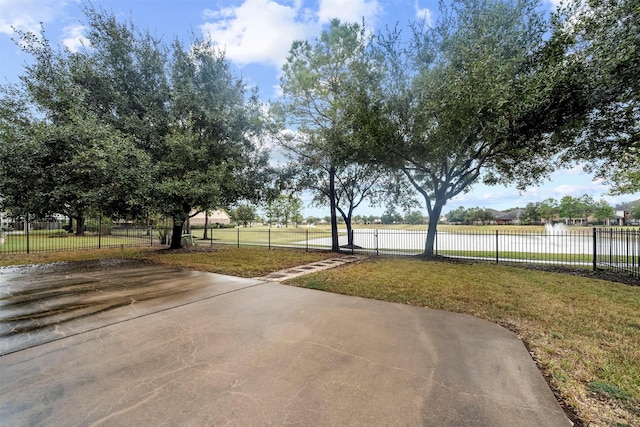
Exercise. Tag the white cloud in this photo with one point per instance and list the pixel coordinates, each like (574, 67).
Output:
(349, 11)
(26, 15)
(261, 31)
(567, 189)
(277, 91)
(489, 199)
(423, 13)
(258, 31)
(576, 170)
(73, 38)
(596, 187)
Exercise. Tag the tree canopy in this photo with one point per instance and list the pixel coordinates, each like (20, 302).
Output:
(453, 105)
(493, 92)
(129, 124)
(317, 82)
(602, 38)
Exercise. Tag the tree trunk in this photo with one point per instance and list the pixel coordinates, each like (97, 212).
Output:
(335, 247)
(80, 225)
(206, 222)
(176, 234)
(434, 217)
(347, 222)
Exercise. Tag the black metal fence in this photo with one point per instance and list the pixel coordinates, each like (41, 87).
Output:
(96, 233)
(617, 250)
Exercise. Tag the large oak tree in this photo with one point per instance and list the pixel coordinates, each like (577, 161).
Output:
(457, 100)
(130, 124)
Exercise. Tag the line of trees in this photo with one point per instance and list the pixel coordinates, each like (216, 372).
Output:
(284, 209)
(495, 91)
(463, 215)
(568, 208)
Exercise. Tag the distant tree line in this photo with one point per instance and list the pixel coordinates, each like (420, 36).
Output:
(462, 215)
(568, 208)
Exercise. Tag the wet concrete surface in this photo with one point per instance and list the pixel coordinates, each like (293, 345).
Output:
(43, 303)
(120, 343)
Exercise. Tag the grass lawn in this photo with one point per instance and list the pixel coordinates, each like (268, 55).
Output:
(584, 333)
(241, 262)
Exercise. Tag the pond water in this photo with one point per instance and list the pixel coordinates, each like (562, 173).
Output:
(557, 240)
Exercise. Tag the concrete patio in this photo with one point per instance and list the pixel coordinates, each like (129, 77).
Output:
(120, 343)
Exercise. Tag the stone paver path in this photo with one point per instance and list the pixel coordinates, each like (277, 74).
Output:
(290, 273)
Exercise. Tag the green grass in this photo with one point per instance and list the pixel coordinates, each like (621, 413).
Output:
(583, 332)
(241, 262)
(504, 256)
(9, 259)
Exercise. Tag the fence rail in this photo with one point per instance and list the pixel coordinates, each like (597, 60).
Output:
(54, 236)
(617, 250)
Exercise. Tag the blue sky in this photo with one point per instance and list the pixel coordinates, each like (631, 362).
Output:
(257, 35)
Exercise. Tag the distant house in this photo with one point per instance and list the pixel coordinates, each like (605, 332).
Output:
(511, 217)
(623, 214)
(493, 214)
(215, 217)
(622, 217)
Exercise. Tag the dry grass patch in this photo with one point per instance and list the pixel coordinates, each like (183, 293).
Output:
(582, 332)
(241, 262)
(71, 256)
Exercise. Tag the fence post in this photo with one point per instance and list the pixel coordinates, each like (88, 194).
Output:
(628, 247)
(497, 248)
(610, 248)
(352, 244)
(27, 231)
(307, 241)
(238, 237)
(100, 232)
(595, 249)
(377, 247)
